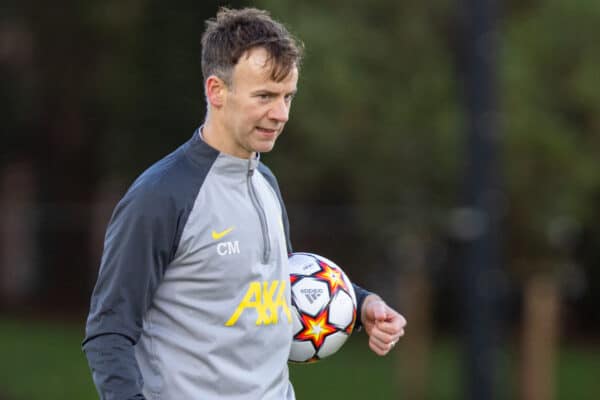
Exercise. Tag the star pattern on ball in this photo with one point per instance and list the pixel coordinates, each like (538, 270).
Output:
(333, 277)
(316, 329)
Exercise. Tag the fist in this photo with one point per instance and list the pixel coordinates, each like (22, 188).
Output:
(383, 324)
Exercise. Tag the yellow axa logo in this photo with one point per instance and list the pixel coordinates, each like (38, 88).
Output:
(266, 298)
(218, 235)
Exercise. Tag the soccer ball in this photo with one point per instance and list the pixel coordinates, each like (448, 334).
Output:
(323, 307)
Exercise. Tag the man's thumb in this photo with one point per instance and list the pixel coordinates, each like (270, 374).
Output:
(378, 311)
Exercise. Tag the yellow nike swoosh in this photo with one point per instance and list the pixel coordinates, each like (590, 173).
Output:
(219, 235)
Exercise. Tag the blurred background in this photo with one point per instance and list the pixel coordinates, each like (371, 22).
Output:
(445, 153)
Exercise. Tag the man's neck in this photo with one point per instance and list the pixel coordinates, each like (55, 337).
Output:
(210, 134)
(213, 134)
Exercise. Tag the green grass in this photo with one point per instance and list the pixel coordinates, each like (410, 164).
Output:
(43, 361)
(579, 373)
(353, 373)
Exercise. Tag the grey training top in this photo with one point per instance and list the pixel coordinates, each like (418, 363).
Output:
(192, 298)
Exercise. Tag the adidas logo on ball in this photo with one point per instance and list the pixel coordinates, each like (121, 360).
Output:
(308, 266)
(311, 294)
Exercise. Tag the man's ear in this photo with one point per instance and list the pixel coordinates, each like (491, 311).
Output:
(215, 89)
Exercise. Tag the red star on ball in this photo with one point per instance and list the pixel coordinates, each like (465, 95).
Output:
(316, 329)
(333, 277)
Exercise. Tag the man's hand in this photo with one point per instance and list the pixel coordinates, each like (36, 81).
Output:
(382, 323)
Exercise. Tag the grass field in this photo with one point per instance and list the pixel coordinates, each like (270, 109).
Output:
(43, 361)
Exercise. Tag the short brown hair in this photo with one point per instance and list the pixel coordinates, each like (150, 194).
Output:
(233, 32)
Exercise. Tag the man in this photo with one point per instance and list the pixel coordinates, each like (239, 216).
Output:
(196, 229)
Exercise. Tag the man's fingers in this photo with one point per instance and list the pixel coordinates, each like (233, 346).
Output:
(392, 326)
(383, 337)
(388, 327)
(381, 347)
(384, 340)
(378, 348)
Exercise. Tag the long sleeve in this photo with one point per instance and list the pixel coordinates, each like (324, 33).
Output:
(114, 367)
(139, 244)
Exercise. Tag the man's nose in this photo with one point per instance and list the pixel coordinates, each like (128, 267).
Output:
(280, 111)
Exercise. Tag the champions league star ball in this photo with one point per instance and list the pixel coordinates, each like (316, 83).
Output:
(323, 307)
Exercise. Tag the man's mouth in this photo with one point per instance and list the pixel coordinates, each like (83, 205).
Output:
(266, 130)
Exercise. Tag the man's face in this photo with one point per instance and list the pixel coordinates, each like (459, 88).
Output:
(256, 107)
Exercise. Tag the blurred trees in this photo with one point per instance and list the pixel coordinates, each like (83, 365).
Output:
(551, 107)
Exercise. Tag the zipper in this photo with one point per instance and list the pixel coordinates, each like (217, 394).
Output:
(261, 216)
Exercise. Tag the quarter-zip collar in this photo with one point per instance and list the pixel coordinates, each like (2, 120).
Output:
(197, 149)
